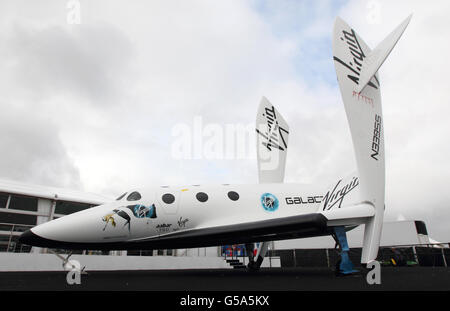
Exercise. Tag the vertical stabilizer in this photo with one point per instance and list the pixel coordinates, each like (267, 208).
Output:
(271, 143)
(365, 118)
(376, 58)
(271, 146)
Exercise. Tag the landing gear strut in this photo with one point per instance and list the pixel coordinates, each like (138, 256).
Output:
(66, 263)
(344, 266)
(262, 250)
(249, 247)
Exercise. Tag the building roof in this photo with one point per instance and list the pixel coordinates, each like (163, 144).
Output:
(52, 193)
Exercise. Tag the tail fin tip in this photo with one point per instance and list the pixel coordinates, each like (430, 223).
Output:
(376, 58)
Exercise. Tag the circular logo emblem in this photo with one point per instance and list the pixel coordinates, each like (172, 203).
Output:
(269, 202)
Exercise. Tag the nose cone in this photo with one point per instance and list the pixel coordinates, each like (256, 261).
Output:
(94, 228)
(33, 239)
(29, 238)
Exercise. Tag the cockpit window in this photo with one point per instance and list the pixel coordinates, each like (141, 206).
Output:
(134, 196)
(121, 197)
(142, 211)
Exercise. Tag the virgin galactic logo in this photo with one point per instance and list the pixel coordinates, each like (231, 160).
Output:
(269, 202)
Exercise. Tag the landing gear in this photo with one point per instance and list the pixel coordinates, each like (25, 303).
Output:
(344, 266)
(262, 250)
(252, 266)
(68, 264)
(249, 248)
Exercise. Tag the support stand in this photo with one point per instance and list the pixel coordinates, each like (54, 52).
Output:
(344, 266)
(66, 263)
(262, 250)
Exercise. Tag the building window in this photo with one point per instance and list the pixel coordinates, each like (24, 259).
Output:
(3, 200)
(66, 208)
(4, 243)
(23, 203)
(233, 195)
(168, 198)
(12, 245)
(202, 197)
(134, 196)
(14, 218)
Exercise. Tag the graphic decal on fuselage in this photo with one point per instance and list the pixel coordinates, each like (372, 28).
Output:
(109, 218)
(138, 210)
(362, 98)
(274, 134)
(182, 222)
(142, 211)
(357, 55)
(163, 228)
(303, 199)
(334, 197)
(269, 202)
(376, 137)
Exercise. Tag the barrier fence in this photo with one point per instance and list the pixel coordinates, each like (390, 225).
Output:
(431, 255)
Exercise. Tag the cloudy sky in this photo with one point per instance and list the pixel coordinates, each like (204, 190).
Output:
(92, 93)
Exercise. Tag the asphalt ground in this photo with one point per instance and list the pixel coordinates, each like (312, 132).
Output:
(270, 279)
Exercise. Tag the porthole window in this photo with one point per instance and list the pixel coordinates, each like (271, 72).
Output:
(134, 196)
(202, 197)
(168, 198)
(233, 195)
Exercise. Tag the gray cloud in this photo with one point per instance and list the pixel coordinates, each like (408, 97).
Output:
(33, 152)
(87, 62)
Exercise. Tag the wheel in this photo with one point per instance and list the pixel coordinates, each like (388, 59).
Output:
(252, 266)
(337, 270)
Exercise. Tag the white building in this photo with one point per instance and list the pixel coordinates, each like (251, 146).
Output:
(23, 206)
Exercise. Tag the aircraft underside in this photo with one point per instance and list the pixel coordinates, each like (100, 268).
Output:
(300, 226)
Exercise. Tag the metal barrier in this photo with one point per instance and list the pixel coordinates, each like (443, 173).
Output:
(395, 255)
